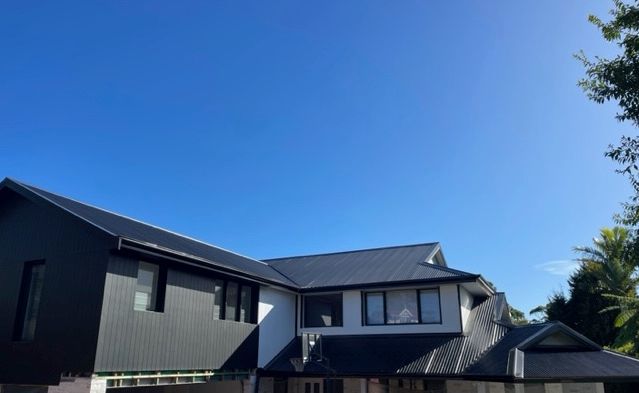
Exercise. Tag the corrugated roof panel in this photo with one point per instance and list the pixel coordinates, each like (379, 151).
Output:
(495, 360)
(584, 364)
(380, 265)
(425, 354)
(126, 227)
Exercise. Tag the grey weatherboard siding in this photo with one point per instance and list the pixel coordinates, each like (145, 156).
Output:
(76, 256)
(184, 336)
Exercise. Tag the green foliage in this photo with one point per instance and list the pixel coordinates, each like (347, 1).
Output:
(617, 79)
(581, 308)
(627, 321)
(517, 316)
(610, 261)
(539, 314)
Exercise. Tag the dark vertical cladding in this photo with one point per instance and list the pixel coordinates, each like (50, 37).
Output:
(185, 335)
(63, 330)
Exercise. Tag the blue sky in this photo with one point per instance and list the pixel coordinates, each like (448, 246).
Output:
(285, 127)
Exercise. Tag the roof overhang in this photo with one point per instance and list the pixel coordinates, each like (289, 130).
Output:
(192, 260)
(391, 284)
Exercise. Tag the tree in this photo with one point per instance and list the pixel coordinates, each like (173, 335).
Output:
(581, 309)
(518, 317)
(617, 79)
(627, 321)
(609, 260)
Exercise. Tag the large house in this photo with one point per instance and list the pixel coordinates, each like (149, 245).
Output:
(92, 301)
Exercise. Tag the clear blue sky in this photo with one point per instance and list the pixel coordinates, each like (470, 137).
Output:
(278, 128)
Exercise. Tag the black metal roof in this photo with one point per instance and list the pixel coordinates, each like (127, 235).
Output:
(371, 266)
(594, 365)
(129, 228)
(413, 354)
(486, 352)
(495, 360)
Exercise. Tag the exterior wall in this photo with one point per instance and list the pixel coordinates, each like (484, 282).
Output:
(276, 317)
(353, 324)
(183, 337)
(466, 304)
(209, 387)
(76, 256)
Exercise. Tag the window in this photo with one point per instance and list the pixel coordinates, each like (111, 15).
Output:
(375, 308)
(245, 304)
(231, 301)
(333, 386)
(150, 288)
(402, 307)
(218, 299)
(29, 301)
(323, 310)
(429, 306)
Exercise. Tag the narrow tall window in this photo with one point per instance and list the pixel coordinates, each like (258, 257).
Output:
(245, 304)
(231, 301)
(429, 303)
(218, 299)
(375, 308)
(29, 301)
(146, 290)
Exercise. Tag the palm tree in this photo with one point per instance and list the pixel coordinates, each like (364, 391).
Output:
(627, 321)
(610, 260)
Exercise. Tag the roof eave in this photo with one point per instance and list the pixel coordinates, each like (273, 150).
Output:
(383, 284)
(177, 256)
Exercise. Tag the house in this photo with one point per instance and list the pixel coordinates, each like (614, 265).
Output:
(94, 301)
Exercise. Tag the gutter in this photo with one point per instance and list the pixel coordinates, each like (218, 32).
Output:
(387, 284)
(192, 260)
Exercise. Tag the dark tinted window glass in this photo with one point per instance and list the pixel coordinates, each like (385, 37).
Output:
(231, 301)
(245, 304)
(29, 302)
(375, 308)
(218, 299)
(401, 307)
(429, 303)
(146, 289)
(323, 310)
(333, 386)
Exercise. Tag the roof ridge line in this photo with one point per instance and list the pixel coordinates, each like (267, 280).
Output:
(31, 188)
(349, 251)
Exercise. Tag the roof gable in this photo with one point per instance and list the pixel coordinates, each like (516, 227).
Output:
(556, 335)
(152, 236)
(367, 267)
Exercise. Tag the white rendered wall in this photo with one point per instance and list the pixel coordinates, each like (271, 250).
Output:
(276, 317)
(352, 315)
(466, 300)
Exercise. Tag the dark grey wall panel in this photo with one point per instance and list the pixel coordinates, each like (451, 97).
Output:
(76, 256)
(184, 336)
